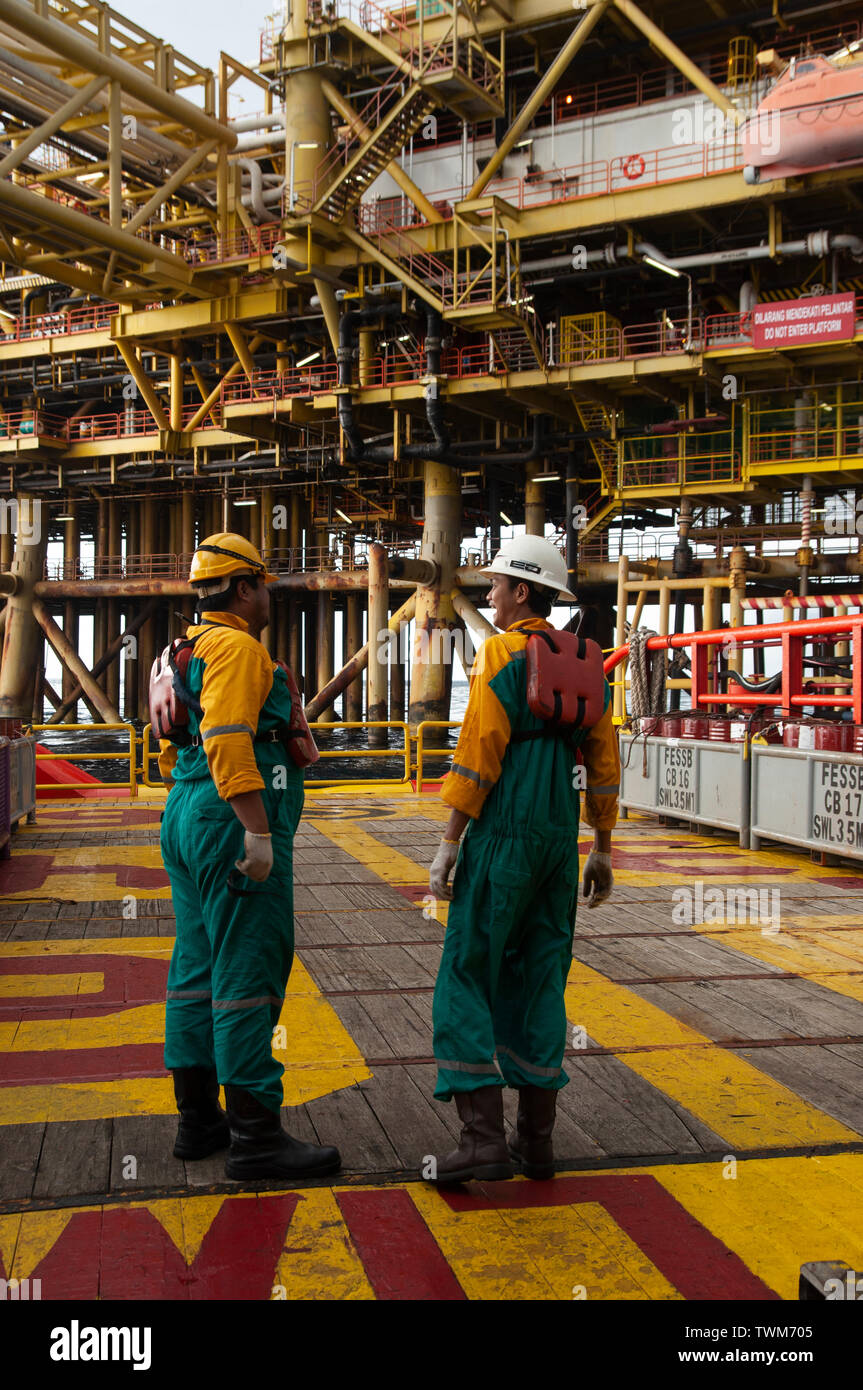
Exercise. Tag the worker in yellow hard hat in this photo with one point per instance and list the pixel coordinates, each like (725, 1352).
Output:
(227, 842)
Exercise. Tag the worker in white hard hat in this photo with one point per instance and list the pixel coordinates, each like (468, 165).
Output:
(227, 845)
(499, 1016)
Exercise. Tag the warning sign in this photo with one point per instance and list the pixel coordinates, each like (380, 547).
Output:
(829, 318)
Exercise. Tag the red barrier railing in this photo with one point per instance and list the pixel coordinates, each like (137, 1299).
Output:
(792, 637)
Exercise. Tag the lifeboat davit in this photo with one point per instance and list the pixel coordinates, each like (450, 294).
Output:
(812, 118)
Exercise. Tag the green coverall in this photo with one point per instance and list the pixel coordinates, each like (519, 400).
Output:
(233, 953)
(508, 944)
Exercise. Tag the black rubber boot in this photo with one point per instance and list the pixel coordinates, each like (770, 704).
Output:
(260, 1148)
(482, 1151)
(203, 1127)
(531, 1144)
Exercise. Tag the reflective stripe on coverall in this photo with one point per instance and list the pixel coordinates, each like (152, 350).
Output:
(233, 954)
(508, 944)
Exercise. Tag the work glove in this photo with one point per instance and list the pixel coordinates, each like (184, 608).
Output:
(259, 857)
(598, 879)
(442, 866)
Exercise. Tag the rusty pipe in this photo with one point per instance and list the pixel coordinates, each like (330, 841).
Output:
(105, 660)
(357, 664)
(9, 584)
(70, 658)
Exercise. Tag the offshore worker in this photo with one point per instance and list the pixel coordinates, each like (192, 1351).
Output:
(498, 1011)
(233, 807)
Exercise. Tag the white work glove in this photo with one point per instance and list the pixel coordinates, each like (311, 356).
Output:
(259, 857)
(598, 879)
(442, 866)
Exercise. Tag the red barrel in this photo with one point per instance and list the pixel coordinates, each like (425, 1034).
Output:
(834, 738)
(718, 730)
(791, 733)
(856, 738)
(669, 727)
(649, 724)
(695, 726)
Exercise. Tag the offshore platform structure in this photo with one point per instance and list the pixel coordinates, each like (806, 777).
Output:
(512, 261)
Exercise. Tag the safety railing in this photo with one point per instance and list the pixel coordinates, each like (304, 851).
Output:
(424, 752)
(20, 424)
(642, 169)
(350, 753)
(797, 691)
(321, 731)
(128, 755)
(91, 318)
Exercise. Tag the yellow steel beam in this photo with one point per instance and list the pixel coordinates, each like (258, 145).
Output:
(203, 411)
(238, 343)
(57, 39)
(50, 126)
(547, 83)
(195, 158)
(394, 169)
(666, 46)
(143, 383)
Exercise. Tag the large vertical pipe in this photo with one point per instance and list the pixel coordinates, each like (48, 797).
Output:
(267, 544)
(147, 634)
(71, 560)
(22, 637)
(619, 689)
(534, 502)
(431, 668)
(100, 620)
(397, 678)
(353, 642)
(309, 648)
(176, 399)
(325, 648)
(378, 638)
(115, 546)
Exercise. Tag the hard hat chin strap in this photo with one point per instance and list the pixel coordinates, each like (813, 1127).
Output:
(220, 550)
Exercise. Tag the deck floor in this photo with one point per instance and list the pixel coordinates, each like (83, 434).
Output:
(710, 1141)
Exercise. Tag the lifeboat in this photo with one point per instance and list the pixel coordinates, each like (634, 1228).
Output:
(812, 118)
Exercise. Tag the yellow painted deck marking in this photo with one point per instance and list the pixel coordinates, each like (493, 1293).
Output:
(320, 1261)
(540, 1252)
(50, 985)
(388, 863)
(778, 1213)
(583, 1244)
(742, 1104)
(824, 965)
(319, 1055)
(38, 1233)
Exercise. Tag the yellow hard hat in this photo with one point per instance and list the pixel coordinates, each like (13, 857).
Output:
(221, 556)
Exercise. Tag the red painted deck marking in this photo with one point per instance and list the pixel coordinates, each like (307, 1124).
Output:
(82, 1064)
(400, 1255)
(118, 1253)
(692, 1259)
(128, 982)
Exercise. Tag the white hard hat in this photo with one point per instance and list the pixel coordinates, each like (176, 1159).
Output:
(534, 560)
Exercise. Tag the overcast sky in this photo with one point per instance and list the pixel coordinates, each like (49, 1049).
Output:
(201, 29)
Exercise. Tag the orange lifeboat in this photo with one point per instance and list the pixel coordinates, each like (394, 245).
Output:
(812, 118)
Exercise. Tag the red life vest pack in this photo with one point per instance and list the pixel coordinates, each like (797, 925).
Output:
(170, 701)
(169, 696)
(298, 737)
(565, 680)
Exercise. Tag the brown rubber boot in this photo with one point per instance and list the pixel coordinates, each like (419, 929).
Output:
(531, 1145)
(482, 1151)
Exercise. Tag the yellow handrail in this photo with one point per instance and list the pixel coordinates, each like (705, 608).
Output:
(403, 751)
(422, 751)
(86, 757)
